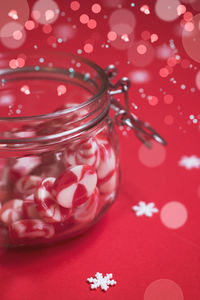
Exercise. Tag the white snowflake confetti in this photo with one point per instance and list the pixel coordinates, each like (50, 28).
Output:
(100, 281)
(190, 162)
(145, 209)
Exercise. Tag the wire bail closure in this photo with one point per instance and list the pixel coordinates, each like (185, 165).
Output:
(123, 115)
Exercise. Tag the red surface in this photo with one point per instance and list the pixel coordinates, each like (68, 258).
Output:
(137, 250)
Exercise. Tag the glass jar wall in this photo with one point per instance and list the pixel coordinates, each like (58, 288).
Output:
(59, 164)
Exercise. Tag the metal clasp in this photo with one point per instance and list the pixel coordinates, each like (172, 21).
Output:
(123, 115)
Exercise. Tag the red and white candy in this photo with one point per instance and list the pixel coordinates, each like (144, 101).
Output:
(11, 211)
(47, 206)
(26, 185)
(86, 212)
(28, 230)
(30, 210)
(107, 170)
(75, 186)
(24, 165)
(85, 153)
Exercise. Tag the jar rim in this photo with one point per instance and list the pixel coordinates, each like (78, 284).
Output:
(101, 91)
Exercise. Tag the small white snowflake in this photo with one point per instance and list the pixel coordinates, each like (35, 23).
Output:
(145, 209)
(100, 281)
(190, 162)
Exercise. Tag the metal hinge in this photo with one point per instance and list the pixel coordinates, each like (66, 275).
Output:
(123, 115)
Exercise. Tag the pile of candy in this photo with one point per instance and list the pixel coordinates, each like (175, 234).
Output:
(50, 196)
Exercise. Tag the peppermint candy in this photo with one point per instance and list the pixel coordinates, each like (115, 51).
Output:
(27, 185)
(85, 153)
(47, 205)
(24, 165)
(86, 212)
(11, 211)
(75, 186)
(107, 170)
(25, 231)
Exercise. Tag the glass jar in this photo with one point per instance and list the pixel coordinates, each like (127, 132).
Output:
(59, 155)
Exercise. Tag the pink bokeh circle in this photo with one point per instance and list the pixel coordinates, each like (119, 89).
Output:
(152, 157)
(6, 12)
(45, 12)
(163, 289)
(173, 215)
(122, 21)
(191, 39)
(141, 53)
(12, 35)
(166, 10)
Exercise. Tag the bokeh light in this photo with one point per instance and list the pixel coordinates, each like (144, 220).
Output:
(96, 8)
(84, 18)
(145, 35)
(25, 89)
(169, 120)
(188, 16)
(152, 157)
(168, 99)
(88, 48)
(45, 12)
(11, 11)
(154, 37)
(122, 21)
(145, 9)
(64, 31)
(29, 25)
(164, 289)
(12, 35)
(47, 28)
(61, 90)
(92, 24)
(141, 53)
(140, 76)
(181, 9)
(163, 72)
(153, 100)
(166, 10)
(173, 215)
(191, 40)
(122, 41)
(75, 5)
(112, 35)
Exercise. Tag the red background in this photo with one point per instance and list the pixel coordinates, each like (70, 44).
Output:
(137, 250)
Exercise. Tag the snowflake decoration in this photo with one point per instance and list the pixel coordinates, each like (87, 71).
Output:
(190, 162)
(100, 281)
(145, 209)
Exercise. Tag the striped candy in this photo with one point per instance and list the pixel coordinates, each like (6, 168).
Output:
(75, 186)
(27, 185)
(47, 207)
(24, 165)
(107, 170)
(30, 210)
(24, 231)
(11, 211)
(86, 212)
(85, 153)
